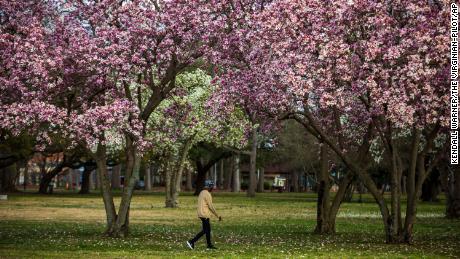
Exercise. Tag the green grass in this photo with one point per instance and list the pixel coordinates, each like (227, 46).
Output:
(272, 225)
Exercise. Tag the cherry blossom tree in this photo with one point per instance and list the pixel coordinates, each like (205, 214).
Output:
(242, 82)
(57, 83)
(150, 44)
(354, 73)
(184, 120)
(80, 68)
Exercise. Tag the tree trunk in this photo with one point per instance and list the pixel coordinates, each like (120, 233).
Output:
(312, 126)
(423, 170)
(21, 165)
(133, 159)
(260, 186)
(177, 184)
(92, 185)
(430, 188)
(8, 179)
(344, 185)
(252, 165)
(69, 180)
(369, 183)
(379, 199)
(154, 171)
(26, 174)
(228, 174)
(176, 176)
(295, 181)
(48, 177)
(211, 173)
(395, 183)
(404, 185)
(349, 194)
(168, 183)
(221, 174)
(107, 197)
(188, 186)
(395, 207)
(97, 182)
(200, 178)
(236, 174)
(323, 224)
(148, 177)
(202, 170)
(85, 182)
(122, 223)
(413, 195)
(327, 211)
(361, 189)
(115, 180)
(450, 179)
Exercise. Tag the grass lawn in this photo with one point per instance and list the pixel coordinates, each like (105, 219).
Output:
(272, 225)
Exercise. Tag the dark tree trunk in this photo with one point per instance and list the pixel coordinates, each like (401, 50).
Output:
(220, 182)
(357, 165)
(361, 191)
(295, 181)
(26, 174)
(200, 178)
(453, 202)
(252, 165)
(67, 161)
(84, 188)
(85, 181)
(188, 186)
(8, 179)
(404, 185)
(228, 173)
(450, 179)
(115, 180)
(395, 183)
(413, 195)
(349, 194)
(431, 188)
(453, 198)
(7, 159)
(48, 177)
(326, 210)
(423, 168)
(324, 223)
(260, 185)
(202, 169)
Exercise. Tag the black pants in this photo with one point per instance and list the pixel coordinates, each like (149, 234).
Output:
(205, 230)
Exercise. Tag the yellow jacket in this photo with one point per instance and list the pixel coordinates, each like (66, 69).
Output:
(205, 205)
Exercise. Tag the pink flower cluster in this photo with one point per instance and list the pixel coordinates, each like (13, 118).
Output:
(343, 61)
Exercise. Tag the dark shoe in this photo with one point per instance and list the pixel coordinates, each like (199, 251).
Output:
(212, 247)
(190, 245)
